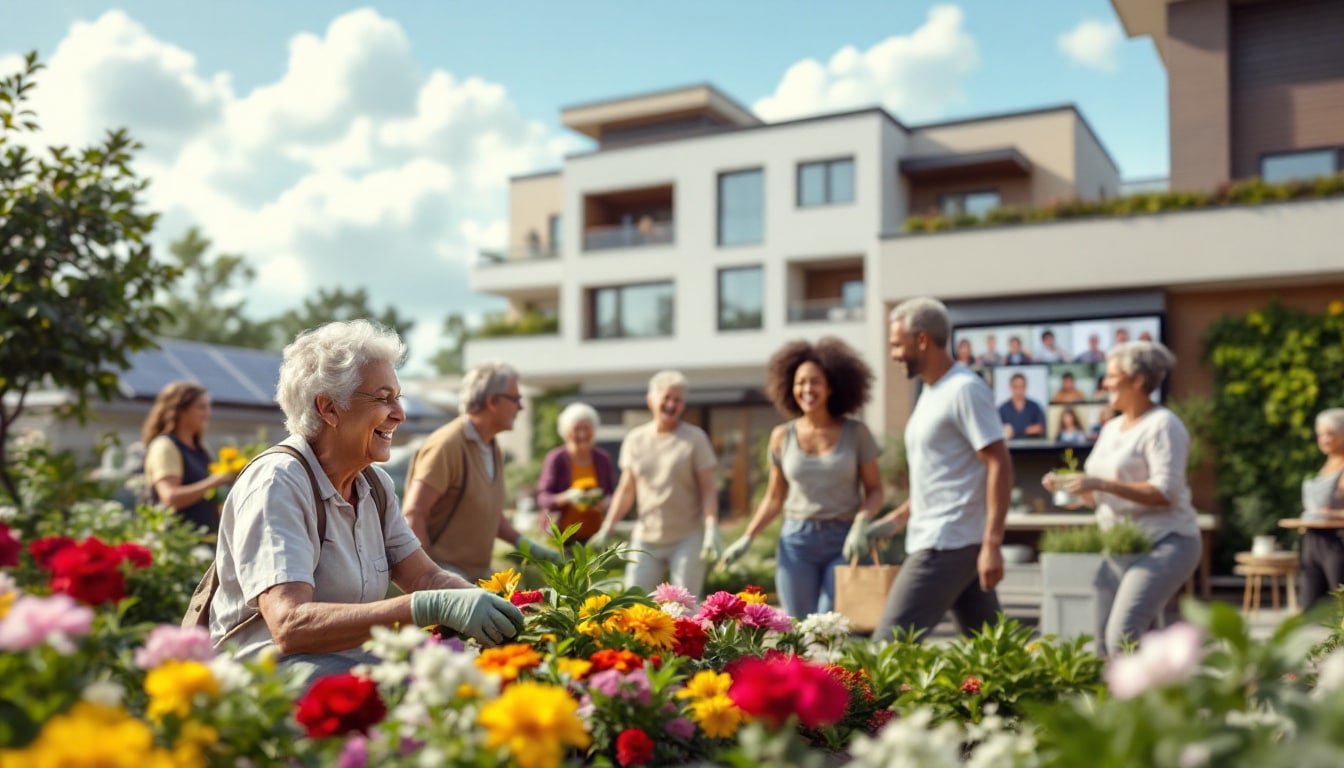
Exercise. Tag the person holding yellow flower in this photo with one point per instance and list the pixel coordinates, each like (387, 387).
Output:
(577, 478)
(178, 470)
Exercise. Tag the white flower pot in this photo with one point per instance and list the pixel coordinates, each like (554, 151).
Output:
(1077, 591)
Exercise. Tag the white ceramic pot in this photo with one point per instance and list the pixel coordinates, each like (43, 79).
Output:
(1264, 545)
(1063, 498)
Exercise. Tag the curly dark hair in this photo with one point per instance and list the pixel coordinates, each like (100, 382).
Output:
(850, 379)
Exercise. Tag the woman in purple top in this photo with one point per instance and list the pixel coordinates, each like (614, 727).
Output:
(577, 478)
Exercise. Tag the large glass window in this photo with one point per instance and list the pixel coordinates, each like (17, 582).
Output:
(969, 203)
(741, 207)
(626, 311)
(1299, 165)
(553, 233)
(826, 183)
(741, 298)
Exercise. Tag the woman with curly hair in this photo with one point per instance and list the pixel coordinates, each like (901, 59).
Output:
(823, 471)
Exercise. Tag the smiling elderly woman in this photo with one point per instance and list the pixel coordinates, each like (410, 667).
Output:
(318, 596)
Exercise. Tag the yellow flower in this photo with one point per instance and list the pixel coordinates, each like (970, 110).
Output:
(718, 716)
(94, 736)
(536, 722)
(575, 668)
(593, 604)
(1033, 646)
(6, 600)
(584, 483)
(650, 626)
(752, 596)
(501, 583)
(193, 744)
(172, 686)
(706, 685)
(1335, 308)
(508, 661)
(227, 454)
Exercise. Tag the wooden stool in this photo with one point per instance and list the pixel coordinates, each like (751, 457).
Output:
(1256, 567)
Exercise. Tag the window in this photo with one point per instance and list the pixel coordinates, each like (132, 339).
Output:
(969, 203)
(741, 207)
(826, 183)
(741, 298)
(632, 311)
(851, 294)
(553, 232)
(1299, 165)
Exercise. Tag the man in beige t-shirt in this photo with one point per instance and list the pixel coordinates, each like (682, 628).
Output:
(668, 467)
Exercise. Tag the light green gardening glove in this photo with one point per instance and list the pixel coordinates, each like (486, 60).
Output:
(856, 541)
(713, 546)
(736, 550)
(880, 530)
(541, 552)
(598, 541)
(488, 619)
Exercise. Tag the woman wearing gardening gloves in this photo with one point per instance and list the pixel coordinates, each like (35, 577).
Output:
(823, 471)
(310, 586)
(1136, 472)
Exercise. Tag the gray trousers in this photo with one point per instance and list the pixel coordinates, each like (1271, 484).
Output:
(1146, 586)
(1322, 566)
(317, 665)
(932, 582)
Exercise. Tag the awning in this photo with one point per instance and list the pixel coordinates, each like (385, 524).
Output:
(695, 396)
(994, 162)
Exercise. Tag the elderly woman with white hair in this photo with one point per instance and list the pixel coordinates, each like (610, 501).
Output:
(667, 466)
(1322, 554)
(310, 583)
(577, 478)
(1136, 472)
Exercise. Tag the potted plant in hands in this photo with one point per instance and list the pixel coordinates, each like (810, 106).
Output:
(1080, 572)
(1061, 497)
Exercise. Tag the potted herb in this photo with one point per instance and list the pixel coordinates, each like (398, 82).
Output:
(1063, 498)
(1080, 572)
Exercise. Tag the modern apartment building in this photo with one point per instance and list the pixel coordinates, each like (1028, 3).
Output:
(697, 237)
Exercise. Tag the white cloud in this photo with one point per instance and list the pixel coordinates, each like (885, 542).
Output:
(915, 76)
(352, 168)
(1093, 44)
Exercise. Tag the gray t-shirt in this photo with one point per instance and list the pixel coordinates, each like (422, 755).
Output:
(1321, 491)
(826, 487)
(1153, 450)
(953, 420)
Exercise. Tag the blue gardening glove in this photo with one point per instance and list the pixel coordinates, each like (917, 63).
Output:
(882, 529)
(539, 551)
(713, 546)
(489, 619)
(856, 541)
(736, 550)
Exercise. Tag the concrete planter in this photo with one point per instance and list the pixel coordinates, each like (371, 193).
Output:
(1077, 590)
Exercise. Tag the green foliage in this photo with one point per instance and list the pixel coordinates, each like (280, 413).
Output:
(1274, 369)
(531, 323)
(1123, 538)
(77, 280)
(335, 304)
(1249, 192)
(199, 308)
(1197, 413)
(448, 360)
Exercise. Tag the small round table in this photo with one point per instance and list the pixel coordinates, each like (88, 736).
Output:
(1273, 565)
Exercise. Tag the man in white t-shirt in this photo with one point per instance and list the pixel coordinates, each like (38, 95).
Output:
(960, 477)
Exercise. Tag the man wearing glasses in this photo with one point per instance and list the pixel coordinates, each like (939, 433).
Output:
(455, 486)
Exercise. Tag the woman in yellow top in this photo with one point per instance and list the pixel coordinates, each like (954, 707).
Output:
(177, 463)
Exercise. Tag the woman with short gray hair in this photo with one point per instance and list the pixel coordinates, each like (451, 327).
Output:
(311, 535)
(577, 478)
(1322, 558)
(1136, 473)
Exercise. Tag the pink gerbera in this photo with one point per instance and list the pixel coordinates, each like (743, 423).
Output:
(762, 615)
(720, 606)
(671, 593)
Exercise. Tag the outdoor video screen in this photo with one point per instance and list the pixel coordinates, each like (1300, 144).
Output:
(1047, 377)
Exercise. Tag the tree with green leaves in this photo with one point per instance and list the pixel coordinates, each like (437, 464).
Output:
(199, 308)
(332, 304)
(448, 360)
(78, 285)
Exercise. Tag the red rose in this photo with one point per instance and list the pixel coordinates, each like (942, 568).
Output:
(136, 555)
(775, 689)
(10, 547)
(45, 548)
(89, 571)
(633, 747)
(690, 639)
(526, 598)
(971, 685)
(339, 704)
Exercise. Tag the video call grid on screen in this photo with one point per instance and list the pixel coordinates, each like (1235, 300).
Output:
(1059, 367)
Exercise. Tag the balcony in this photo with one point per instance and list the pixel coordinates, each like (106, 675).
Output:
(826, 290)
(629, 236)
(518, 272)
(537, 252)
(828, 310)
(629, 218)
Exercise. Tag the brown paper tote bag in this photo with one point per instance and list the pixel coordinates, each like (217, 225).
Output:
(861, 592)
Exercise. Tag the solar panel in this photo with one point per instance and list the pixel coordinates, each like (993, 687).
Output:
(224, 386)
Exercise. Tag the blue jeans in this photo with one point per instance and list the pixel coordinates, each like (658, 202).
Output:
(809, 551)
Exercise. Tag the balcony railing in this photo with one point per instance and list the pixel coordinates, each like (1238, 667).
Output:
(628, 236)
(518, 253)
(832, 310)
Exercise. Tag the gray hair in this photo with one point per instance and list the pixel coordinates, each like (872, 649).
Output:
(924, 315)
(483, 381)
(665, 380)
(330, 360)
(1149, 359)
(1331, 419)
(573, 415)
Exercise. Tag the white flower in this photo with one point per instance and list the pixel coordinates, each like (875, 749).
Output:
(438, 673)
(104, 693)
(907, 741)
(830, 626)
(675, 610)
(230, 674)
(202, 553)
(1195, 755)
(1329, 680)
(394, 644)
(8, 513)
(389, 674)
(1164, 657)
(7, 584)
(823, 654)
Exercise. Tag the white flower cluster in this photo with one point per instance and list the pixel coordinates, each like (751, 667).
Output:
(824, 634)
(914, 740)
(1330, 675)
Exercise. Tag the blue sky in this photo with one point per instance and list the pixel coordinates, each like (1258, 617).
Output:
(325, 138)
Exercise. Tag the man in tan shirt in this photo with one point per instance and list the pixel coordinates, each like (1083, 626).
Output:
(455, 486)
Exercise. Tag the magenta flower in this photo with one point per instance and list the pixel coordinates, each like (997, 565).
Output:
(355, 753)
(613, 684)
(671, 593)
(167, 642)
(762, 615)
(32, 621)
(720, 606)
(680, 728)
